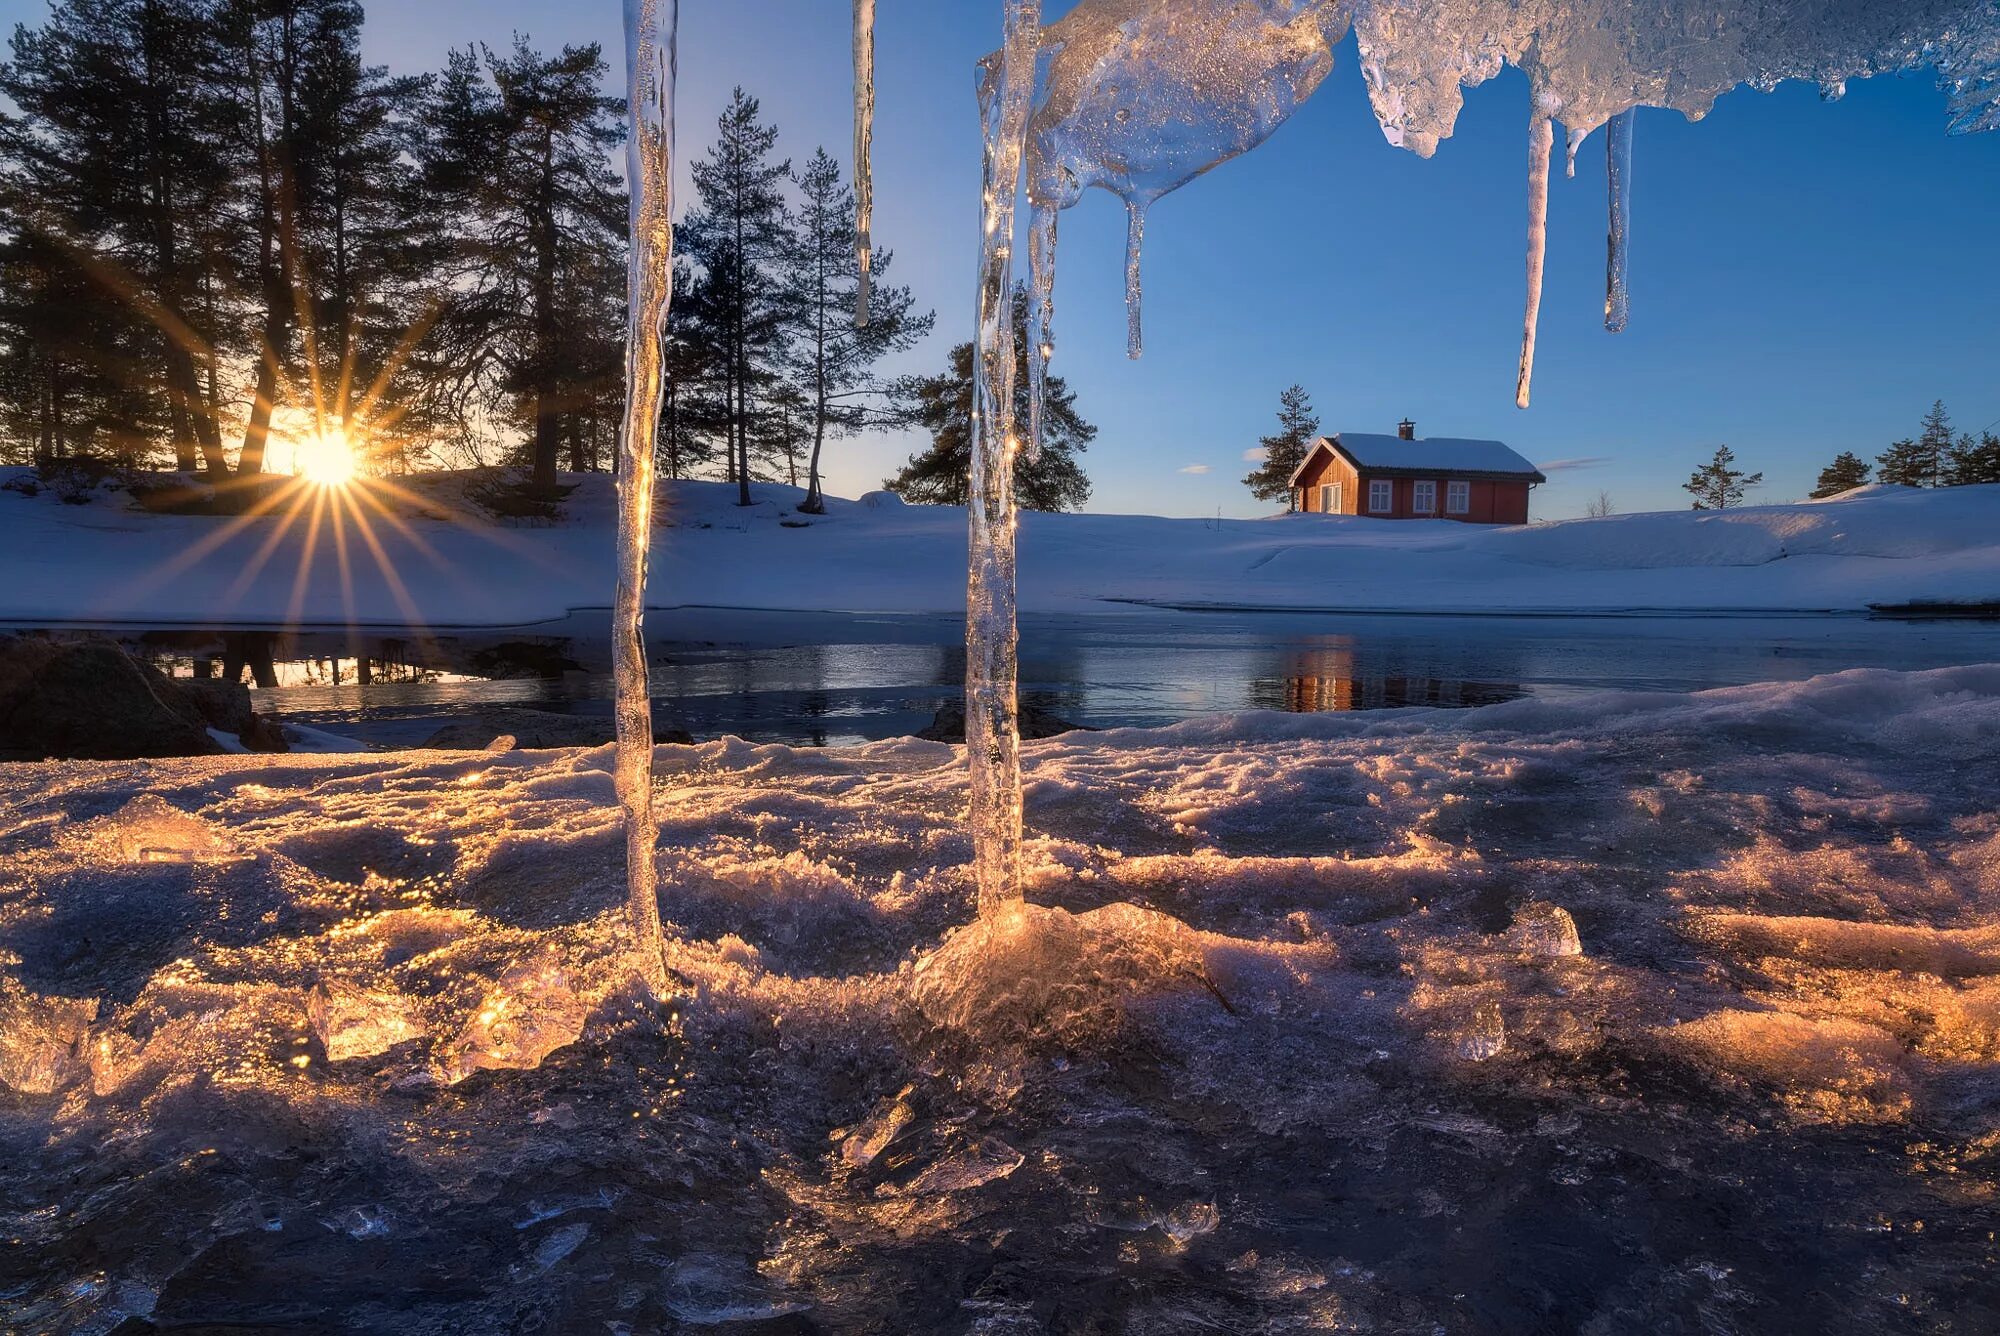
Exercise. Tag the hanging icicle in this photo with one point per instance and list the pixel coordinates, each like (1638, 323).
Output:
(1618, 273)
(1042, 220)
(651, 28)
(864, 153)
(1135, 242)
(992, 724)
(1541, 145)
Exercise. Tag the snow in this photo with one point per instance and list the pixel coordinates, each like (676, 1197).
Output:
(106, 563)
(1444, 453)
(1308, 1017)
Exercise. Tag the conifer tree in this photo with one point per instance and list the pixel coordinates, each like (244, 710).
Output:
(120, 139)
(1920, 462)
(1298, 430)
(1974, 462)
(516, 162)
(943, 406)
(831, 361)
(739, 238)
(1847, 472)
(1719, 484)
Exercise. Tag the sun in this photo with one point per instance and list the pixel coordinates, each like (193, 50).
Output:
(325, 460)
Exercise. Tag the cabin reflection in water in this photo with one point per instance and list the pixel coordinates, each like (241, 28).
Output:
(1334, 680)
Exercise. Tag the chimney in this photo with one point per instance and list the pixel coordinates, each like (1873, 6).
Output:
(1407, 430)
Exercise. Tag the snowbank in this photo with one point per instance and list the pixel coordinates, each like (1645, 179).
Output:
(1660, 1012)
(423, 558)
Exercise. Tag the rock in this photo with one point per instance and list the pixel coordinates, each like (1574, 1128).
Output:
(226, 705)
(92, 701)
(949, 724)
(536, 730)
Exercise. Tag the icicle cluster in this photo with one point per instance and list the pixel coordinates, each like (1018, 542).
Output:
(1142, 96)
(651, 27)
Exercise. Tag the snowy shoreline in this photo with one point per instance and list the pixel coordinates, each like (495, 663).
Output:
(104, 563)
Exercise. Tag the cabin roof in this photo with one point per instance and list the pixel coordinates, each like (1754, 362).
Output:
(1435, 457)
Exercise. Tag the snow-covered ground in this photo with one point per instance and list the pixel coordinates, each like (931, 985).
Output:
(1295, 1041)
(420, 559)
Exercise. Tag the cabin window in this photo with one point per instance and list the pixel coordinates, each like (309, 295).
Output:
(1329, 498)
(1457, 498)
(1381, 496)
(1424, 498)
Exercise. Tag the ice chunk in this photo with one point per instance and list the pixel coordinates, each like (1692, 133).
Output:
(42, 1039)
(530, 1013)
(351, 1021)
(986, 1161)
(869, 1138)
(1480, 1032)
(1542, 929)
(149, 829)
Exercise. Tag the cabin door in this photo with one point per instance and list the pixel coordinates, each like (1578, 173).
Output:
(1329, 498)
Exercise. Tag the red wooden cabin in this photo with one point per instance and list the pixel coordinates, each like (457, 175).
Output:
(1402, 478)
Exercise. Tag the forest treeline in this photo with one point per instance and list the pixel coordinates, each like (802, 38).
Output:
(216, 216)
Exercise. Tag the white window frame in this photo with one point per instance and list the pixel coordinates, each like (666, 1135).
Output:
(1381, 496)
(1424, 496)
(1458, 498)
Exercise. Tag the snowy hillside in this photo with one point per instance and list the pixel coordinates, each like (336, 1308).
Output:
(106, 561)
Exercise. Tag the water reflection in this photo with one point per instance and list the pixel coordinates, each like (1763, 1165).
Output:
(829, 679)
(1340, 678)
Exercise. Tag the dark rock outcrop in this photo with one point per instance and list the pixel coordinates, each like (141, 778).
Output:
(536, 730)
(949, 725)
(91, 701)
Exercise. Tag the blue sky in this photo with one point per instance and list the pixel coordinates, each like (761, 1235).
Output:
(1808, 277)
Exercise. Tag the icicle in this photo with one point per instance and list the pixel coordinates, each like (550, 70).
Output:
(992, 725)
(864, 152)
(1541, 144)
(1135, 241)
(1617, 290)
(1041, 318)
(651, 28)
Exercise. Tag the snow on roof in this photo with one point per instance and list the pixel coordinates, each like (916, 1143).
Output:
(1437, 454)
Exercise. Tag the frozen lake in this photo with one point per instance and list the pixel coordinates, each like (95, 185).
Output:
(826, 679)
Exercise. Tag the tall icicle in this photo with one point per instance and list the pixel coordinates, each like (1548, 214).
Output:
(651, 28)
(1042, 222)
(1618, 271)
(1541, 144)
(1135, 244)
(992, 725)
(864, 152)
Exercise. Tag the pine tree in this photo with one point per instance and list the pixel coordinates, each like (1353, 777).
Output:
(1974, 462)
(1847, 472)
(943, 406)
(739, 237)
(1298, 430)
(1920, 463)
(359, 239)
(515, 159)
(1719, 484)
(120, 139)
(831, 360)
